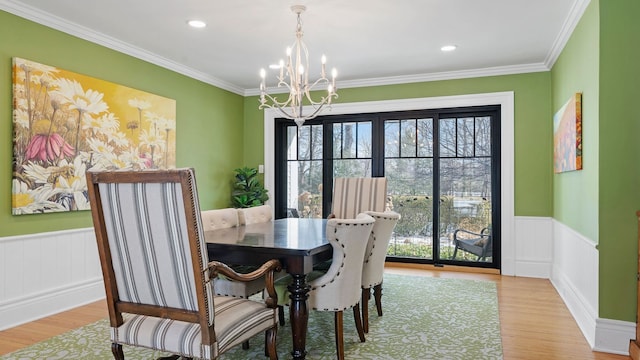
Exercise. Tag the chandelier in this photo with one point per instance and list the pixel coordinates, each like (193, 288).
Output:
(294, 75)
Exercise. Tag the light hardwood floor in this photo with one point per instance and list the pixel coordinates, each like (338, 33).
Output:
(535, 323)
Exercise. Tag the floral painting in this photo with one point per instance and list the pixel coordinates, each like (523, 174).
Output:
(66, 123)
(567, 136)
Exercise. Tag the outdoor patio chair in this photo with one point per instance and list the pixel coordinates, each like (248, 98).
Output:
(156, 271)
(478, 244)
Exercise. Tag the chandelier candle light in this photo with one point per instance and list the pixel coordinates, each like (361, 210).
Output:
(297, 81)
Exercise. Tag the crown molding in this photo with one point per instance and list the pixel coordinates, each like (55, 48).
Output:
(57, 23)
(46, 19)
(575, 14)
(447, 75)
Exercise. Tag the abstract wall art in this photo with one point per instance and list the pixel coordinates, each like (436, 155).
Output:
(567, 136)
(66, 123)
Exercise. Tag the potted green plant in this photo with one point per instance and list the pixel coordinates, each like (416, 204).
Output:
(247, 189)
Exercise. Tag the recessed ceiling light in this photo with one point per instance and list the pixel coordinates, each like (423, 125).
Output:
(448, 48)
(197, 23)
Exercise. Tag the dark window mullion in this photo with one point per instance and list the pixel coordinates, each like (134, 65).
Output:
(435, 226)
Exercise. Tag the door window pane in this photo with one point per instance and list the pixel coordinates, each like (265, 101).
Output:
(483, 136)
(316, 142)
(392, 138)
(352, 168)
(304, 188)
(304, 143)
(465, 203)
(425, 137)
(349, 140)
(447, 137)
(408, 138)
(364, 139)
(466, 137)
(337, 141)
(410, 189)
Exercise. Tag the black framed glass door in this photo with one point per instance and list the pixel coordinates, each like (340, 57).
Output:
(442, 168)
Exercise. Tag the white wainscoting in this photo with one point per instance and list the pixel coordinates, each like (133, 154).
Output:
(46, 273)
(43, 274)
(574, 274)
(533, 246)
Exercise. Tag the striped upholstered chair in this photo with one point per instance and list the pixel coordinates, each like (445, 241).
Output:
(352, 196)
(156, 271)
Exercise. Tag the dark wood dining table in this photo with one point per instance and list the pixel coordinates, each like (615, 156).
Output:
(299, 244)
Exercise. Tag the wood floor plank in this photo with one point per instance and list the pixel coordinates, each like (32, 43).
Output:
(534, 322)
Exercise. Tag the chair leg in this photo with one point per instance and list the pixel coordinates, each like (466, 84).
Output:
(270, 343)
(356, 317)
(377, 294)
(366, 293)
(281, 315)
(245, 345)
(339, 335)
(116, 349)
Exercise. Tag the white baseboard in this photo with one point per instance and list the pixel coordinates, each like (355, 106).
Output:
(612, 336)
(20, 311)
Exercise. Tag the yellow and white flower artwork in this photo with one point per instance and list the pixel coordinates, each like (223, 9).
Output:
(66, 123)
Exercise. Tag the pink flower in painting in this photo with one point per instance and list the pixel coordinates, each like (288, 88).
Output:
(146, 160)
(48, 147)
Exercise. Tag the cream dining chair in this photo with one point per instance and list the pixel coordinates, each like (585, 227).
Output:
(374, 258)
(228, 218)
(254, 215)
(338, 288)
(156, 271)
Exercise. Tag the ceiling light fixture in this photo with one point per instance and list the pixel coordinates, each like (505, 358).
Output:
(297, 81)
(197, 23)
(447, 48)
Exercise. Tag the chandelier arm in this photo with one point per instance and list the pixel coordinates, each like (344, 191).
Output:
(275, 102)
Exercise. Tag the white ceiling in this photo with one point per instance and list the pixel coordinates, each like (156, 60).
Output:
(370, 42)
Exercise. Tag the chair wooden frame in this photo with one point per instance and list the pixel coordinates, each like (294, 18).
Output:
(202, 270)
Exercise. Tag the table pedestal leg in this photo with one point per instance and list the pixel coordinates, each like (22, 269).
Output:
(299, 315)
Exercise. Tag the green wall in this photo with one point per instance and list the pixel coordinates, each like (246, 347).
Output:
(601, 60)
(209, 120)
(575, 196)
(619, 176)
(219, 131)
(533, 127)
